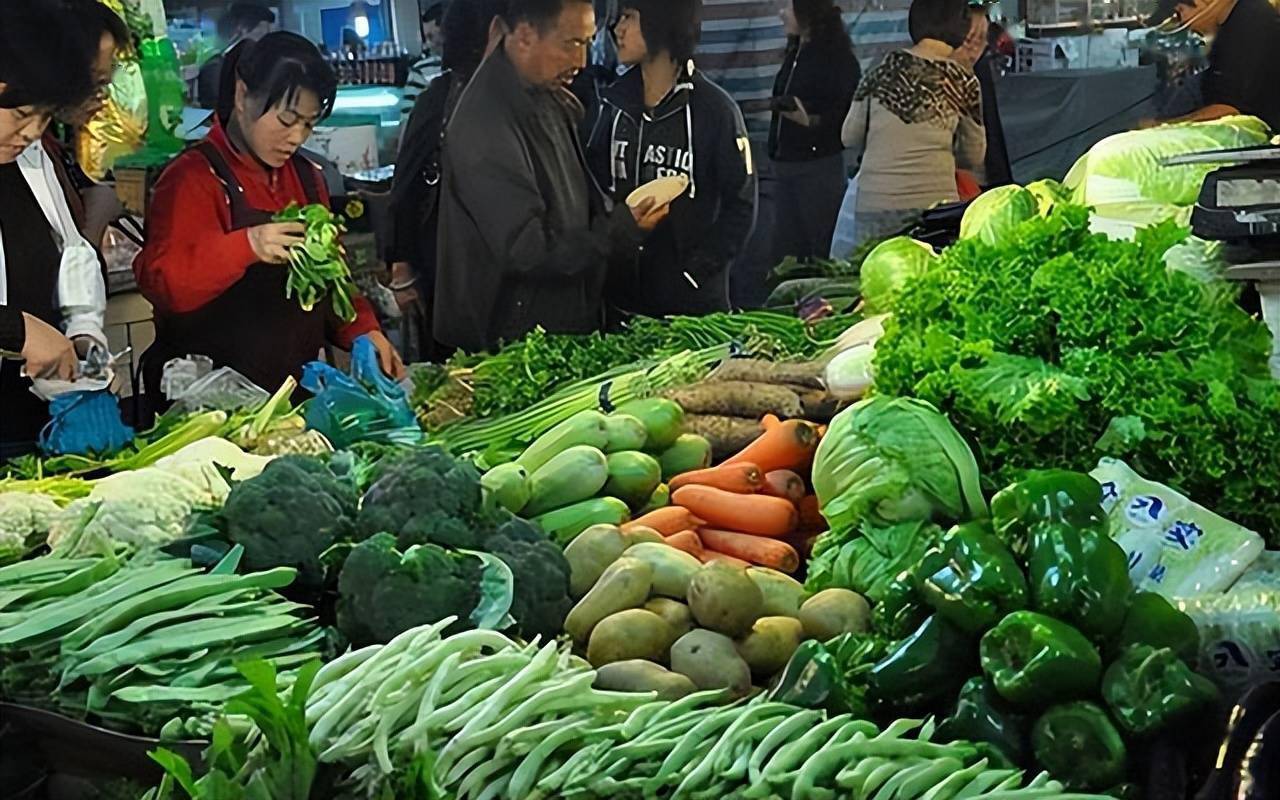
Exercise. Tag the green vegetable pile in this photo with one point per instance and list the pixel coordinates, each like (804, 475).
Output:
(1025, 631)
(318, 265)
(477, 716)
(1061, 347)
(139, 644)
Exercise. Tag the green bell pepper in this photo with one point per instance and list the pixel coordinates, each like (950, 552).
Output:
(1152, 620)
(927, 666)
(1077, 744)
(830, 676)
(1081, 576)
(1035, 660)
(809, 679)
(1148, 688)
(982, 716)
(900, 610)
(1051, 495)
(971, 579)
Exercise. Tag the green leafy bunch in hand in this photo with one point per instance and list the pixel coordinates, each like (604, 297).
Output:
(318, 264)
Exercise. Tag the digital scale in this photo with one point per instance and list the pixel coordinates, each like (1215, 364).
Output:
(1239, 205)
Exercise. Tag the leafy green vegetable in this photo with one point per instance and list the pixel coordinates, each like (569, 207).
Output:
(995, 216)
(318, 265)
(1066, 346)
(891, 265)
(868, 561)
(888, 460)
(1048, 193)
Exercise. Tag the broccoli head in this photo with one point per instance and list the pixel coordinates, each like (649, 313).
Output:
(426, 497)
(541, 594)
(290, 514)
(383, 592)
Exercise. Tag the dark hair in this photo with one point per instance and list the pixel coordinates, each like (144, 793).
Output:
(541, 14)
(944, 20)
(98, 19)
(465, 32)
(436, 12)
(244, 17)
(673, 26)
(46, 57)
(276, 68)
(823, 21)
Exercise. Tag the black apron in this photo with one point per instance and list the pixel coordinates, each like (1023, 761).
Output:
(251, 327)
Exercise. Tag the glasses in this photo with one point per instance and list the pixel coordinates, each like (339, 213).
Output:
(292, 119)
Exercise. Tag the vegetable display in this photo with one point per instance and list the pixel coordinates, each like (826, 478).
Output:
(318, 264)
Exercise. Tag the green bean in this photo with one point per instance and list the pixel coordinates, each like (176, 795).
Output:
(526, 775)
(683, 753)
(791, 755)
(775, 739)
(987, 781)
(855, 778)
(948, 788)
(928, 776)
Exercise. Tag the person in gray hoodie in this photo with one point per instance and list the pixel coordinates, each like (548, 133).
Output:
(527, 238)
(664, 118)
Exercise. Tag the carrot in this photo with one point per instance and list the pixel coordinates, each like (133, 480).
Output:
(810, 515)
(687, 541)
(741, 478)
(666, 521)
(783, 445)
(751, 513)
(712, 556)
(785, 484)
(756, 549)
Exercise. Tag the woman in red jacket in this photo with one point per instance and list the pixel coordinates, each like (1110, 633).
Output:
(214, 265)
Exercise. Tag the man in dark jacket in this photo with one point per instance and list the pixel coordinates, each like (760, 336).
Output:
(240, 22)
(662, 119)
(526, 235)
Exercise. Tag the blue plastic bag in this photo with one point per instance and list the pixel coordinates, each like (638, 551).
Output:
(84, 423)
(362, 407)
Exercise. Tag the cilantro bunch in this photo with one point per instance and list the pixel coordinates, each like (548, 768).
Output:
(1062, 347)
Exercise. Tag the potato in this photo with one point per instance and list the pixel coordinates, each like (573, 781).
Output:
(677, 614)
(834, 612)
(723, 599)
(625, 584)
(631, 634)
(711, 661)
(672, 568)
(770, 645)
(783, 594)
(637, 675)
(590, 554)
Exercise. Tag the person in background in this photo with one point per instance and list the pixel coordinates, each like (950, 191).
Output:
(415, 190)
(663, 118)
(430, 63)
(916, 118)
(811, 98)
(979, 54)
(1244, 57)
(241, 22)
(214, 264)
(92, 205)
(526, 235)
(51, 288)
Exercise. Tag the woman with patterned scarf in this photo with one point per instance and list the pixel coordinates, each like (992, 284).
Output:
(916, 118)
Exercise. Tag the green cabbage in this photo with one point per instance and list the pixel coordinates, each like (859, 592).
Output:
(1049, 193)
(1123, 177)
(996, 214)
(888, 267)
(887, 460)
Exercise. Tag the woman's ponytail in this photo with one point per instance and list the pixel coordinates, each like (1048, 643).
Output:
(227, 80)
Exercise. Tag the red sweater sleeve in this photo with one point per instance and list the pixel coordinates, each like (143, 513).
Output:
(189, 258)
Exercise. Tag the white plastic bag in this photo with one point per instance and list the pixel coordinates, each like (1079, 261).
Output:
(1239, 636)
(843, 241)
(1175, 547)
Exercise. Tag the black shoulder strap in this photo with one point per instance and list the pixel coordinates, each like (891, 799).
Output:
(235, 190)
(311, 186)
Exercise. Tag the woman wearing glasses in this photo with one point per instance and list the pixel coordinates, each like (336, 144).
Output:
(215, 265)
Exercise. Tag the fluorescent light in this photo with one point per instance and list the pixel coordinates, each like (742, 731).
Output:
(364, 101)
(362, 26)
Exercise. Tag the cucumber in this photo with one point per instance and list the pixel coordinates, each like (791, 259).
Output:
(633, 477)
(564, 524)
(583, 428)
(690, 452)
(506, 486)
(576, 474)
(661, 498)
(662, 418)
(625, 433)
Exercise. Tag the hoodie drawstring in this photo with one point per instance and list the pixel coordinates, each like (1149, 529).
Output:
(688, 127)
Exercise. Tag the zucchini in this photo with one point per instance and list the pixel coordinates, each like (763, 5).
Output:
(564, 524)
(576, 474)
(633, 477)
(662, 420)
